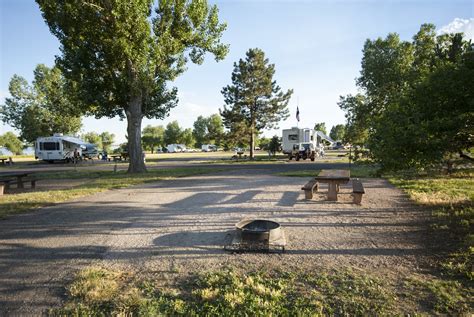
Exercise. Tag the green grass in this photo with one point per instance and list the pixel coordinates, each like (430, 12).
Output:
(95, 182)
(451, 198)
(97, 291)
(343, 292)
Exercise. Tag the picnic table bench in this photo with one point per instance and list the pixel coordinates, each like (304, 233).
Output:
(6, 161)
(309, 188)
(14, 178)
(357, 191)
(118, 157)
(334, 178)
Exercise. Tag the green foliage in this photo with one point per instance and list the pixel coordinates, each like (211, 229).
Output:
(93, 137)
(208, 130)
(275, 145)
(451, 198)
(321, 127)
(215, 128)
(337, 132)
(153, 137)
(11, 142)
(255, 101)
(119, 55)
(237, 135)
(107, 139)
(187, 138)
(417, 101)
(173, 132)
(444, 296)
(200, 132)
(357, 126)
(228, 293)
(43, 108)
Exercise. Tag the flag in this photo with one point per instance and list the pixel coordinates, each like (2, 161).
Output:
(297, 114)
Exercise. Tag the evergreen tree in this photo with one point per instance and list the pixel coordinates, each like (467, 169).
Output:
(254, 98)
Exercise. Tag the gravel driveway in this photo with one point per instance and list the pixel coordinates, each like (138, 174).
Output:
(182, 225)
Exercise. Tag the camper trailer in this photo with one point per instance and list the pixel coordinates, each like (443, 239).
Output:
(208, 148)
(174, 148)
(300, 143)
(58, 148)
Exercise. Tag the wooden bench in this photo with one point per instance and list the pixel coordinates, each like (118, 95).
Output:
(6, 161)
(310, 188)
(6, 183)
(357, 191)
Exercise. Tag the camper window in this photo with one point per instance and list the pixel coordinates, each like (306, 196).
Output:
(293, 137)
(49, 146)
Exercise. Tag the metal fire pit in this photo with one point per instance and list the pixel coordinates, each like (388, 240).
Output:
(258, 235)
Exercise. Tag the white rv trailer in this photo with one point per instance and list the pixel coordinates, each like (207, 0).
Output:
(58, 147)
(296, 136)
(208, 148)
(174, 148)
(303, 143)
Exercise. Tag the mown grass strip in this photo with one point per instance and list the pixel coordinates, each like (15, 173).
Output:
(344, 292)
(97, 291)
(97, 181)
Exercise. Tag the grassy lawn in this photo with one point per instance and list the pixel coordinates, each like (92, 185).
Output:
(97, 291)
(95, 181)
(451, 198)
(101, 292)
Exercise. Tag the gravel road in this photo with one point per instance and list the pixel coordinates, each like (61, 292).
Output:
(182, 225)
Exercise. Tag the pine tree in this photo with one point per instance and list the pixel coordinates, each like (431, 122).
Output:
(254, 98)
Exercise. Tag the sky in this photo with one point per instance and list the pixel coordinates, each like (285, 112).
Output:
(316, 47)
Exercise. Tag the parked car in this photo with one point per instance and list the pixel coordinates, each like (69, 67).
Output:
(90, 151)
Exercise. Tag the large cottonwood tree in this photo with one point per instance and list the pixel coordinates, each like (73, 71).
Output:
(416, 99)
(41, 108)
(254, 98)
(119, 54)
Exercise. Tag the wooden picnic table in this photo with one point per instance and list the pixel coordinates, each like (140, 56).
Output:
(119, 157)
(6, 160)
(18, 175)
(334, 178)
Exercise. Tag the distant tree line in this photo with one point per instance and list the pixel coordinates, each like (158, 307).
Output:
(415, 108)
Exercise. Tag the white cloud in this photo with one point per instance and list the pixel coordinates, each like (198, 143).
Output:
(459, 25)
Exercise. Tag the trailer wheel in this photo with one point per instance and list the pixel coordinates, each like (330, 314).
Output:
(297, 158)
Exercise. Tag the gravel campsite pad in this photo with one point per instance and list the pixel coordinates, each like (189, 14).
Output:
(182, 225)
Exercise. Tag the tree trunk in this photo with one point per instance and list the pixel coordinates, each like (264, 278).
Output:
(252, 142)
(134, 129)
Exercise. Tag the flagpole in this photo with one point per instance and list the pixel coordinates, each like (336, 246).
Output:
(298, 112)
